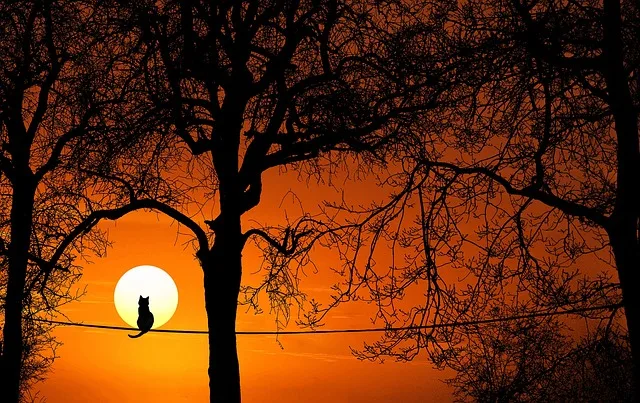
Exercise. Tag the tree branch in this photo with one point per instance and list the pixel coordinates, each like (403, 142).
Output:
(289, 243)
(551, 200)
(112, 214)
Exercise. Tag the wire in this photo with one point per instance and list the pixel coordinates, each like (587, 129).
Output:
(365, 330)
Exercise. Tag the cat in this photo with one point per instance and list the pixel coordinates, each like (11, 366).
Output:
(145, 317)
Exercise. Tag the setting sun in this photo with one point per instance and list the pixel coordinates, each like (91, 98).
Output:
(146, 281)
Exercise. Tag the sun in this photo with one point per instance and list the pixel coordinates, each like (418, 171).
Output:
(146, 281)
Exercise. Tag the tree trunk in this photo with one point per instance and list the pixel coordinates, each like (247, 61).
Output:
(627, 256)
(222, 275)
(21, 222)
(625, 226)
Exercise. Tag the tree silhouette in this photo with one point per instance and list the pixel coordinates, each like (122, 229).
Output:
(536, 360)
(257, 85)
(68, 111)
(525, 185)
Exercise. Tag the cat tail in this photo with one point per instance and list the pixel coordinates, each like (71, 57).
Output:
(138, 335)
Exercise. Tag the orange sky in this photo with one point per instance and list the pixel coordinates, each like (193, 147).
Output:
(107, 366)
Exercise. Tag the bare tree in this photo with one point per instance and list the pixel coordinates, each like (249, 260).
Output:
(523, 190)
(537, 360)
(256, 85)
(68, 111)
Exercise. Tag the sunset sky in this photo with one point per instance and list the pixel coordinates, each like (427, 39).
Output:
(456, 181)
(107, 366)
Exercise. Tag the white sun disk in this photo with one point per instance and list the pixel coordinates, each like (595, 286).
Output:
(146, 281)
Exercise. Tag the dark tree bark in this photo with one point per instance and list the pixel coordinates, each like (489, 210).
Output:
(21, 217)
(624, 229)
(222, 264)
(222, 274)
(624, 242)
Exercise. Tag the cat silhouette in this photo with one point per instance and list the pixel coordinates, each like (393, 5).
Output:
(145, 317)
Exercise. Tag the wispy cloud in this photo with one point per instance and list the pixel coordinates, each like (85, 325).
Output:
(341, 317)
(101, 283)
(95, 331)
(95, 301)
(313, 356)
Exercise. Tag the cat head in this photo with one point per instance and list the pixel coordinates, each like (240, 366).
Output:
(143, 301)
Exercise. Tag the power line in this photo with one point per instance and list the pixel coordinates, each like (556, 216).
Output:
(364, 330)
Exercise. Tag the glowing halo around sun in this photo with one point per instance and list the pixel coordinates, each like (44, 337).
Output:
(148, 281)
